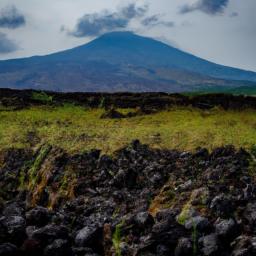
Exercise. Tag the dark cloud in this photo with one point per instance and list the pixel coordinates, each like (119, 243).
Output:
(98, 23)
(155, 20)
(234, 14)
(6, 45)
(132, 11)
(149, 21)
(11, 18)
(211, 7)
(95, 24)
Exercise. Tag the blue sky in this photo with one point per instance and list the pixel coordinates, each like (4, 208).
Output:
(223, 31)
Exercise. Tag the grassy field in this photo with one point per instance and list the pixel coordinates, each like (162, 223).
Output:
(78, 129)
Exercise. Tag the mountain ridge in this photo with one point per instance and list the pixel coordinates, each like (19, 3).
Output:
(120, 61)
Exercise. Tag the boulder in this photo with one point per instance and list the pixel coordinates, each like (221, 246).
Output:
(227, 230)
(162, 250)
(242, 246)
(3, 231)
(184, 247)
(8, 249)
(88, 236)
(209, 245)
(250, 213)
(16, 229)
(59, 247)
(222, 206)
(13, 209)
(46, 235)
(125, 178)
(39, 216)
(198, 223)
(31, 247)
(167, 215)
(144, 220)
(125, 249)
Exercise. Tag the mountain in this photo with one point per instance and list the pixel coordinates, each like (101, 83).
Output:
(121, 61)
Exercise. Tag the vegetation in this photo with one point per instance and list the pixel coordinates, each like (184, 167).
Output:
(42, 97)
(243, 90)
(102, 102)
(117, 238)
(37, 164)
(185, 213)
(194, 239)
(75, 128)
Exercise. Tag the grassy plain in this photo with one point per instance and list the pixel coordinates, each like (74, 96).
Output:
(75, 128)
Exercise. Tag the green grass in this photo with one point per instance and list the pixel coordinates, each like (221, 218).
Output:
(194, 239)
(37, 164)
(116, 239)
(76, 129)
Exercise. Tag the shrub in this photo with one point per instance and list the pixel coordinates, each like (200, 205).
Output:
(42, 97)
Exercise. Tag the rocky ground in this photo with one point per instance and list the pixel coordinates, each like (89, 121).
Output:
(140, 201)
(19, 99)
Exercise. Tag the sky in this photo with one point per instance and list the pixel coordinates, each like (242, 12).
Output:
(222, 31)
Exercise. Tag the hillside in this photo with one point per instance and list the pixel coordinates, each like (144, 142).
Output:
(121, 61)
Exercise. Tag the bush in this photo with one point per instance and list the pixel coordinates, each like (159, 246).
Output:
(42, 97)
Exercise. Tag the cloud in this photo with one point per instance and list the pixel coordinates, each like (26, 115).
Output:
(11, 18)
(6, 45)
(234, 14)
(132, 11)
(155, 20)
(211, 7)
(106, 21)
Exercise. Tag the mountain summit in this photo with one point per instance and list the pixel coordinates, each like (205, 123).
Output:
(120, 61)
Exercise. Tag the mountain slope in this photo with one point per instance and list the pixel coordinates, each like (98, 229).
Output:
(120, 61)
